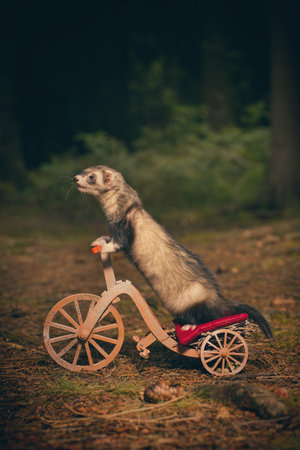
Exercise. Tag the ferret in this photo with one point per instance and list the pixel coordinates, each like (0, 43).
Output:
(187, 288)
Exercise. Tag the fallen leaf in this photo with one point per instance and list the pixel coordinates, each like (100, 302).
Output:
(281, 392)
(279, 301)
(223, 413)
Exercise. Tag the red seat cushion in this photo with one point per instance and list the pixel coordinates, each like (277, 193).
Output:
(186, 336)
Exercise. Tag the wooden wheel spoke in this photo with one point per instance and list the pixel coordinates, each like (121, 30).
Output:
(225, 339)
(67, 348)
(218, 340)
(110, 326)
(62, 327)
(77, 353)
(216, 364)
(223, 366)
(213, 345)
(88, 352)
(237, 354)
(212, 358)
(231, 342)
(105, 314)
(100, 350)
(104, 338)
(69, 318)
(61, 338)
(78, 312)
(230, 366)
(235, 360)
(236, 346)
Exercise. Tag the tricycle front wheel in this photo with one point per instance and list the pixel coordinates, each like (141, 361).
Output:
(69, 348)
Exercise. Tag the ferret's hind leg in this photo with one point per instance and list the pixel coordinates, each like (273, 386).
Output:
(201, 313)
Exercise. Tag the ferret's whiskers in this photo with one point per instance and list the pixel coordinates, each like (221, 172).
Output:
(85, 201)
(68, 192)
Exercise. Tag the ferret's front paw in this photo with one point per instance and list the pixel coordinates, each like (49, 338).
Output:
(188, 327)
(102, 240)
(106, 244)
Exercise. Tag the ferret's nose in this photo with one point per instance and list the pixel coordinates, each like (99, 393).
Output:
(76, 179)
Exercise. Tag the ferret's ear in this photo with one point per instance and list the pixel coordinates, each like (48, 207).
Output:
(108, 177)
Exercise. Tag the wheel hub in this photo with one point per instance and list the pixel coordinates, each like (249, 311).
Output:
(224, 353)
(83, 335)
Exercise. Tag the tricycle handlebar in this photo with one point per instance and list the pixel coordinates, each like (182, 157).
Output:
(96, 249)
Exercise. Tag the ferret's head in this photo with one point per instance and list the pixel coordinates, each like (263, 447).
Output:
(98, 180)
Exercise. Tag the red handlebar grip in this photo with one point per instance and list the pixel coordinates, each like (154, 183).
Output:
(96, 249)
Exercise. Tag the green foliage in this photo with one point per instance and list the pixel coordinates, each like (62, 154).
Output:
(190, 165)
(71, 386)
(254, 114)
(8, 192)
(185, 165)
(75, 385)
(124, 387)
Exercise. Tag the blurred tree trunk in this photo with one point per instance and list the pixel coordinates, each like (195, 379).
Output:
(282, 181)
(11, 161)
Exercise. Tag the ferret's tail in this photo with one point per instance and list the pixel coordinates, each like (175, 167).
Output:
(256, 316)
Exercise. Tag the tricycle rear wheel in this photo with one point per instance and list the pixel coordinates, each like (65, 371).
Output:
(224, 352)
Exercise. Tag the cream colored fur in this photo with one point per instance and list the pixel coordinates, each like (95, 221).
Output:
(163, 262)
(169, 276)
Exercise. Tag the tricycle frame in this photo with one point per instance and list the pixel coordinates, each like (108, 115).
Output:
(83, 333)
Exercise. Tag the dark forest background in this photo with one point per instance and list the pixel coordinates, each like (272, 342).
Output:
(196, 102)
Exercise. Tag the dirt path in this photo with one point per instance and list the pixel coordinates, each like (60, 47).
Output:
(46, 406)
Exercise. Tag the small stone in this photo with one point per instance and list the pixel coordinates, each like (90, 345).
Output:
(246, 396)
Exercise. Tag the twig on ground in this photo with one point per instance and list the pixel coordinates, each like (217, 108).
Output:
(128, 411)
(244, 376)
(154, 419)
(260, 375)
(78, 413)
(266, 421)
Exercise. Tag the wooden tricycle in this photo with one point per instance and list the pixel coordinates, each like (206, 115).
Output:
(86, 332)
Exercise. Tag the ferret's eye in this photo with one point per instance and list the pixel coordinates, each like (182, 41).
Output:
(92, 179)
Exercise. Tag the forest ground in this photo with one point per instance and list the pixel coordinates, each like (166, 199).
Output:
(46, 406)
